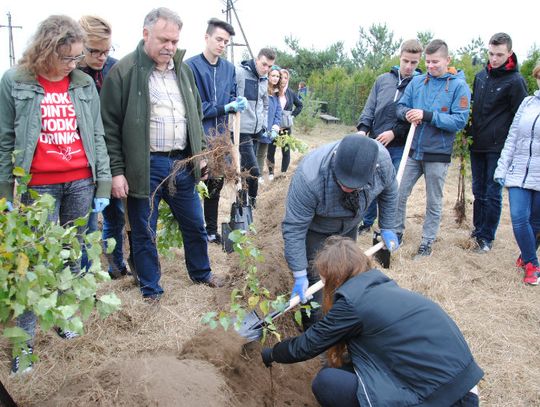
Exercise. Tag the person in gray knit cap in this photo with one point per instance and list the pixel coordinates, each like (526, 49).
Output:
(328, 195)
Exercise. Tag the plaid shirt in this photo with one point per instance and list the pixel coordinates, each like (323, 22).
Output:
(168, 130)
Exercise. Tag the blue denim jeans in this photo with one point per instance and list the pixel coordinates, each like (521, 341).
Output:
(525, 214)
(91, 226)
(187, 210)
(371, 214)
(487, 193)
(113, 227)
(73, 200)
(435, 176)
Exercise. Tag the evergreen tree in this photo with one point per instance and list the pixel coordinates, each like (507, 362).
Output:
(374, 46)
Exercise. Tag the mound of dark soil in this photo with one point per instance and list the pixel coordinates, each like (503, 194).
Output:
(252, 384)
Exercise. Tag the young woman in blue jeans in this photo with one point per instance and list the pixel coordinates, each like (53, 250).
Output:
(518, 169)
(50, 114)
(385, 346)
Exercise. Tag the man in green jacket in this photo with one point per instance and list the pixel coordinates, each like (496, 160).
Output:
(152, 117)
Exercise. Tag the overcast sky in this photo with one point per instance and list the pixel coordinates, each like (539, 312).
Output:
(315, 23)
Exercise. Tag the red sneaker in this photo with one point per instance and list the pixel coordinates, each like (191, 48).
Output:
(532, 274)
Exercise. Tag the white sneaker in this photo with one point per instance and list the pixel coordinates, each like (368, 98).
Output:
(270, 177)
(66, 334)
(16, 363)
(261, 180)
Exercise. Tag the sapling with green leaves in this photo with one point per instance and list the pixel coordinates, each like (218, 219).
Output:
(253, 296)
(35, 273)
(288, 141)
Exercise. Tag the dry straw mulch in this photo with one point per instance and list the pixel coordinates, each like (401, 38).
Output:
(120, 361)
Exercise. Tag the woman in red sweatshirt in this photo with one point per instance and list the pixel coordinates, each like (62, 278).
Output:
(50, 115)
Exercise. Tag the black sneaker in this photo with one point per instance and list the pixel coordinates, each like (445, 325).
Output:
(362, 229)
(66, 334)
(16, 362)
(214, 238)
(116, 274)
(423, 251)
(483, 246)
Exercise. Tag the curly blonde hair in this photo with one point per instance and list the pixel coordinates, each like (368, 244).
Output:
(54, 37)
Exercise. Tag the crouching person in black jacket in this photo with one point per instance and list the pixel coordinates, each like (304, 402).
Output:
(403, 349)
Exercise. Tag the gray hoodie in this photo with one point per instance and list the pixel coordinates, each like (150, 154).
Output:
(313, 201)
(255, 89)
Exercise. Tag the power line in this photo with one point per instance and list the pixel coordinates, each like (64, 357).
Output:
(229, 11)
(10, 27)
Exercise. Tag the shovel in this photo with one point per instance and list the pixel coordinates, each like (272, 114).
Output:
(383, 255)
(241, 211)
(252, 325)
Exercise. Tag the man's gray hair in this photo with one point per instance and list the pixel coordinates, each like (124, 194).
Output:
(165, 14)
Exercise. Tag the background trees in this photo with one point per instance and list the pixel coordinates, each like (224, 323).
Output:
(344, 81)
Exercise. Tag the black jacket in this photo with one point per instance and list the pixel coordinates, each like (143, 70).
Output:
(294, 103)
(405, 349)
(497, 94)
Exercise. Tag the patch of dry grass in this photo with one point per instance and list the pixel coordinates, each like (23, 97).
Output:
(498, 315)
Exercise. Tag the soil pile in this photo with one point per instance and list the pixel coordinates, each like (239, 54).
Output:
(150, 381)
(252, 383)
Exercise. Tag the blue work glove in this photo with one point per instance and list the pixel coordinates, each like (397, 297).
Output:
(231, 107)
(100, 204)
(390, 239)
(242, 103)
(267, 358)
(273, 135)
(9, 206)
(301, 284)
(500, 181)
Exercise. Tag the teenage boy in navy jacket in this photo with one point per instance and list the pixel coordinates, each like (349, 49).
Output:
(216, 80)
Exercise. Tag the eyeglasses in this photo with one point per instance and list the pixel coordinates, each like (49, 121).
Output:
(96, 53)
(69, 60)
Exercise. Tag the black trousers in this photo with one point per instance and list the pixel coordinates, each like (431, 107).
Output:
(336, 387)
(248, 162)
(314, 243)
(285, 160)
(211, 204)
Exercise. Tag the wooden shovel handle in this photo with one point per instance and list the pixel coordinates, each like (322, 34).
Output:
(235, 119)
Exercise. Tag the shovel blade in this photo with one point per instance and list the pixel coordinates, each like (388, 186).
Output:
(251, 327)
(241, 218)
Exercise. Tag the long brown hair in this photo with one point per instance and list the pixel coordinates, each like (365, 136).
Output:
(54, 37)
(273, 90)
(339, 260)
(282, 86)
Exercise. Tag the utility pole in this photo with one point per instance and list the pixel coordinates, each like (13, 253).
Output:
(229, 11)
(11, 46)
